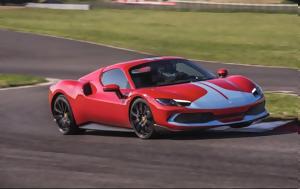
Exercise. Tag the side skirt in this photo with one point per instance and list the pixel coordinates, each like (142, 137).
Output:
(96, 126)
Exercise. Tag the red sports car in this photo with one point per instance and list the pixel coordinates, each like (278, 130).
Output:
(149, 94)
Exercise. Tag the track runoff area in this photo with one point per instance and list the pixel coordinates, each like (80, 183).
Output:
(34, 154)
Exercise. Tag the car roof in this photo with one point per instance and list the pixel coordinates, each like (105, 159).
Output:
(129, 64)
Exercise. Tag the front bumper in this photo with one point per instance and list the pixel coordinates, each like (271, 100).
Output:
(248, 119)
(180, 119)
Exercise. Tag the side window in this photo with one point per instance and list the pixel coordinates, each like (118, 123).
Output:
(115, 76)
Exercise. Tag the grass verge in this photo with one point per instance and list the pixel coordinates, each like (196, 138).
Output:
(283, 105)
(14, 80)
(246, 38)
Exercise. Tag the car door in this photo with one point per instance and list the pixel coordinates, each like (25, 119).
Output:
(106, 107)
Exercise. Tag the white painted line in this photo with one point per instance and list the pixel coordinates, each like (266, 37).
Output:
(255, 128)
(146, 53)
(248, 65)
(50, 82)
(146, 2)
(59, 6)
(81, 41)
(293, 93)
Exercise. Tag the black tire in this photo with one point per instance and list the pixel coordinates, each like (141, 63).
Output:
(63, 116)
(141, 119)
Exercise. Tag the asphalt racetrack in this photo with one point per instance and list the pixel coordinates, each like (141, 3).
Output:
(34, 154)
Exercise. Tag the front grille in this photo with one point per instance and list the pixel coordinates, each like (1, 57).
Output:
(230, 117)
(225, 116)
(257, 109)
(194, 118)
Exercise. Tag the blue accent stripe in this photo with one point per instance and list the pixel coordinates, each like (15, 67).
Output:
(215, 100)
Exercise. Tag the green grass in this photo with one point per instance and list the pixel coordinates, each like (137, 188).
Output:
(13, 80)
(247, 38)
(283, 105)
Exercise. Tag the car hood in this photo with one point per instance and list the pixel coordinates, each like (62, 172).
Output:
(212, 94)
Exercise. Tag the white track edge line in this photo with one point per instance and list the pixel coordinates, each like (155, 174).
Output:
(293, 93)
(50, 81)
(146, 53)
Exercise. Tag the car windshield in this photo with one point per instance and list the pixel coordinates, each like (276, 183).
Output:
(168, 72)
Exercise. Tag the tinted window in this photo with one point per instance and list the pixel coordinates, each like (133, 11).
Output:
(115, 76)
(168, 72)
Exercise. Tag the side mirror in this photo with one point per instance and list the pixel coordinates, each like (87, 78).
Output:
(222, 72)
(114, 88)
(111, 88)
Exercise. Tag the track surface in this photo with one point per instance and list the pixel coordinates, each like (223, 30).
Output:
(34, 154)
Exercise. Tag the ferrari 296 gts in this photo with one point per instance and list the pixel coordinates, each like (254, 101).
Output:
(151, 94)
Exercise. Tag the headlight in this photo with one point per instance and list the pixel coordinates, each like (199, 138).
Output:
(257, 91)
(173, 102)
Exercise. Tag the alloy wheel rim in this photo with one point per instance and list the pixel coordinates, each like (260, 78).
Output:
(141, 118)
(61, 114)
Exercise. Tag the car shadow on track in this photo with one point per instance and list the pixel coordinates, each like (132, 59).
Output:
(292, 127)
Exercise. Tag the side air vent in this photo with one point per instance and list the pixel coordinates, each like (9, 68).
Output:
(87, 89)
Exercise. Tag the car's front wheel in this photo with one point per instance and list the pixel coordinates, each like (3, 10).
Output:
(141, 119)
(63, 116)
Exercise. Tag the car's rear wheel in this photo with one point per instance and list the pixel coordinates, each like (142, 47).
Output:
(141, 119)
(63, 116)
